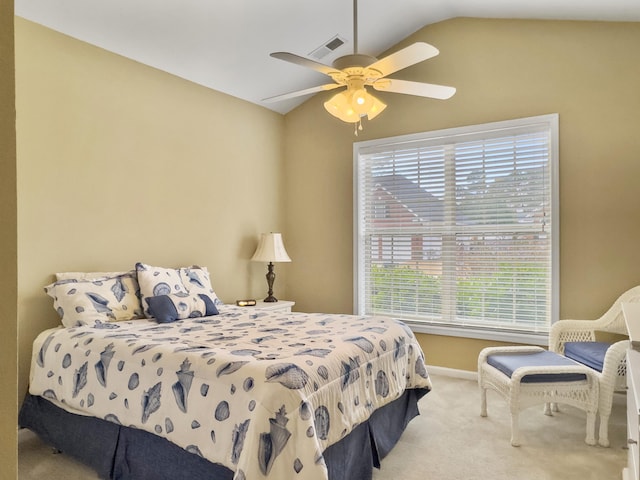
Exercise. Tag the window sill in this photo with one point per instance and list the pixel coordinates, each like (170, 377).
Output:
(541, 339)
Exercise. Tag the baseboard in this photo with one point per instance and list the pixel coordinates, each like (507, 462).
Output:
(453, 372)
(25, 434)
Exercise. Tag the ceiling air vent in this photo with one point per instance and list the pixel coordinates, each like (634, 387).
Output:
(328, 47)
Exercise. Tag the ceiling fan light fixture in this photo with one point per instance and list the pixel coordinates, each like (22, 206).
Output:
(351, 105)
(340, 107)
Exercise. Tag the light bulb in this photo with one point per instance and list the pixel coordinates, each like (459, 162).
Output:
(361, 101)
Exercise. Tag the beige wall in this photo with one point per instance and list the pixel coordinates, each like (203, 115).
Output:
(8, 248)
(503, 69)
(118, 163)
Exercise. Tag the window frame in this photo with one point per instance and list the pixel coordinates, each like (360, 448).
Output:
(551, 121)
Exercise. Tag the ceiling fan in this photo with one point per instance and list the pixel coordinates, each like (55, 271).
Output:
(357, 71)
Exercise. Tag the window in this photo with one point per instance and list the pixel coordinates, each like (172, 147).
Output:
(456, 230)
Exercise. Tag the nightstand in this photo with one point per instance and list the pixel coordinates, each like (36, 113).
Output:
(279, 306)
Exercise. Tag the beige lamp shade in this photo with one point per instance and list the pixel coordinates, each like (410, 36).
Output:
(270, 249)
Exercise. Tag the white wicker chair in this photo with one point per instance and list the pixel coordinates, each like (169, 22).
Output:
(613, 375)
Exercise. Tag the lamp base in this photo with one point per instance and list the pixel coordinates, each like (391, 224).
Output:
(271, 276)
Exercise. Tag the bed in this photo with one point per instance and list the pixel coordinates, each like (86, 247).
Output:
(201, 390)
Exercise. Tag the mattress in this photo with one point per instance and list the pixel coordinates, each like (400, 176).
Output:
(262, 393)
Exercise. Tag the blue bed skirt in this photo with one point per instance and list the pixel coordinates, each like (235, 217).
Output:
(116, 452)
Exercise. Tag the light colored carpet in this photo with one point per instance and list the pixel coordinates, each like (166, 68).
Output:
(448, 441)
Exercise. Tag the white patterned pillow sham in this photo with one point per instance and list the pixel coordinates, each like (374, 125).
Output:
(156, 281)
(108, 299)
(197, 280)
(81, 276)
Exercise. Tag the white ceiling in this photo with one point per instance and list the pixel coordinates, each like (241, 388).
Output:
(225, 44)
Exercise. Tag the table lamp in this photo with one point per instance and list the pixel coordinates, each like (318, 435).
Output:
(270, 249)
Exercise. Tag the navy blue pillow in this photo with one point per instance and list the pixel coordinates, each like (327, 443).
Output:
(169, 308)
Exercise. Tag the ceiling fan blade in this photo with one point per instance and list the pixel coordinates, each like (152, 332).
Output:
(299, 93)
(430, 90)
(404, 58)
(304, 62)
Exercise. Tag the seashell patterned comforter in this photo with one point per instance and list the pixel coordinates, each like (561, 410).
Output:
(263, 393)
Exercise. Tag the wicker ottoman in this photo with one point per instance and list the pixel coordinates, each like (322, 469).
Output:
(528, 376)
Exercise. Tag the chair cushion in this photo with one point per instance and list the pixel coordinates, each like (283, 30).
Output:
(590, 354)
(507, 363)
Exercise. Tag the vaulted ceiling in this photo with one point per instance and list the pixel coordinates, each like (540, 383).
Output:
(225, 44)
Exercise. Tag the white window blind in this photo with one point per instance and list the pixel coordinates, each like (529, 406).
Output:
(456, 228)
